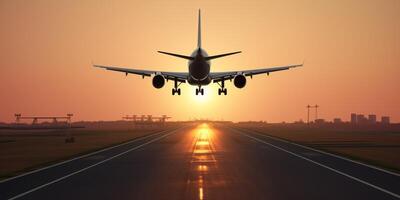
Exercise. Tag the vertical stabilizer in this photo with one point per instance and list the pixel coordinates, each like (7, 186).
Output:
(199, 32)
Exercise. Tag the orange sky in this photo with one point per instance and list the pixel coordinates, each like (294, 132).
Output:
(351, 50)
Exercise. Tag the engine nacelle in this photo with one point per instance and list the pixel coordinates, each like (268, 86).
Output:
(158, 81)
(239, 81)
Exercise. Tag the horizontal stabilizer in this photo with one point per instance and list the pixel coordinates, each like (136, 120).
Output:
(176, 55)
(222, 55)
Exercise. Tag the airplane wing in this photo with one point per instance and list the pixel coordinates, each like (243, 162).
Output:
(179, 76)
(221, 76)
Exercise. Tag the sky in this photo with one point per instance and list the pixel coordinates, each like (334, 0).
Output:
(351, 50)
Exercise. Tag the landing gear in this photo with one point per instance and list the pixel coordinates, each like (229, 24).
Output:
(222, 90)
(176, 89)
(199, 90)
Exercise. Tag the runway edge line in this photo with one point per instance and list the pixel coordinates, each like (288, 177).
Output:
(91, 166)
(325, 166)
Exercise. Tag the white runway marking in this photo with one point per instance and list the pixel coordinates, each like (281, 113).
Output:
(86, 168)
(329, 154)
(79, 157)
(326, 167)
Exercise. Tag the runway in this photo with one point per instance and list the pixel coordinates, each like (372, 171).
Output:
(208, 161)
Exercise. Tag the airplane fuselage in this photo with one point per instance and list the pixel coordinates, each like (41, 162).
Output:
(199, 68)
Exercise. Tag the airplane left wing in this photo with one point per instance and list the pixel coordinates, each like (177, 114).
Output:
(221, 76)
(179, 76)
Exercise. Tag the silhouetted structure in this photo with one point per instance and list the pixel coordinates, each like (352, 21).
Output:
(372, 119)
(198, 73)
(35, 119)
(385, 120)
(360, 119)
(353, 118)
(337, 121)
(147, 119)
(308, 112)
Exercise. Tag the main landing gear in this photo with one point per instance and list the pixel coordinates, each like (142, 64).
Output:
(222, 90)
(176, 89)
(199, 90)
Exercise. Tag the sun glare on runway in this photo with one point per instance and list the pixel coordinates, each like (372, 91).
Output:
(204, 133)
(203, 159)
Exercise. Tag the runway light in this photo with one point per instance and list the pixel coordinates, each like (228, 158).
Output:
(201, 151)
(202, 143)
(202, 168)
(201, 195)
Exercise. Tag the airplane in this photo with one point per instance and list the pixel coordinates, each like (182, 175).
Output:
(198, 73)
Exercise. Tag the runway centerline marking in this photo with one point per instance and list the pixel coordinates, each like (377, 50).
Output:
(91, 166)
(325, 166)
(202, 159)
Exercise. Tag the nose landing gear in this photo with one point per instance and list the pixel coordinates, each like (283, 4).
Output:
(199, 90)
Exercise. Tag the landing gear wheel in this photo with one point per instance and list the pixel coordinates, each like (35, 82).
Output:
(200, 90)
(222, 91)
(176, 89)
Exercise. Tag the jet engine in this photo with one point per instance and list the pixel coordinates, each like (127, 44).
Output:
(239, 81)
(158, 81)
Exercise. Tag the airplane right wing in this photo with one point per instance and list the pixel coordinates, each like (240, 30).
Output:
(221, 76)
(178, 76)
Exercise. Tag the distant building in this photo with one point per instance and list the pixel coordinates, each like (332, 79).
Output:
(353, 118)
(361, 119)
(337, 121)
(319, 121)
(372, 119)
(385, 120)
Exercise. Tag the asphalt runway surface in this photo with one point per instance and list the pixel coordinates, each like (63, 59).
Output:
(205, 162)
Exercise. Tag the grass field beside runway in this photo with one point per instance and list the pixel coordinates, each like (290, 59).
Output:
(27, 150)
(380, 148)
